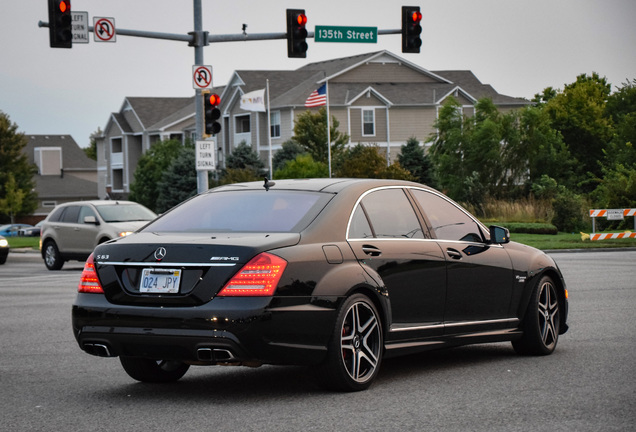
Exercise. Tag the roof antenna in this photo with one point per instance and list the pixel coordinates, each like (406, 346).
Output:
(268, 184)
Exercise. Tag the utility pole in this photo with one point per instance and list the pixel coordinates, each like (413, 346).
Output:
(199, 41)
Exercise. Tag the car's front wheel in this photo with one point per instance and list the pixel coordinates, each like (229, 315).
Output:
(355, 351)
(542, 321)
(52, 258)
(155, 371)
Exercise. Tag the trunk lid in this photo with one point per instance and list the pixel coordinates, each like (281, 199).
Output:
(200, 264)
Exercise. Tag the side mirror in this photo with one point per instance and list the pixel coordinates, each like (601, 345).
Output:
(91, 220)
(499, 235)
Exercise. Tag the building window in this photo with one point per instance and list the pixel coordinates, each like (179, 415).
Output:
(274, 120)
(242, 124)
(368, 122)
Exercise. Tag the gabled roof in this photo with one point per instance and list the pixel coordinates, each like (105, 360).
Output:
(285, 87)
(151, 110)
(73, 157)
(179, 116)
(57, 187)
(470, 84)
(336, 67)
(121, 122)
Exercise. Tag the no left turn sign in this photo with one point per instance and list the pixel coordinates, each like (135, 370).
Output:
(104, 29)
(201, 77)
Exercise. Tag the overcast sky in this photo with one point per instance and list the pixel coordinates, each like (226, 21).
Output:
(519, 47)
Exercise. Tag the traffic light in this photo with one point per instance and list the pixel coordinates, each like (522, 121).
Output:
(411, 29)
(296, 33)
(211, 113)
(60, 31)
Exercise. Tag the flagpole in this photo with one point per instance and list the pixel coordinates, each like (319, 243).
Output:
(328, 128)
(269, 134)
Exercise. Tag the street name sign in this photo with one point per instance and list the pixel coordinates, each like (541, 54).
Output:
(346, 34)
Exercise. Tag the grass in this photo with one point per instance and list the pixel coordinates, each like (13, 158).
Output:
(24, 242)
(569, 241)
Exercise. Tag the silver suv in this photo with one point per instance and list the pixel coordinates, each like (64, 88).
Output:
(72, 230)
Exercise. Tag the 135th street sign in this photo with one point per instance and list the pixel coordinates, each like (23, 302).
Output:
(346, 34)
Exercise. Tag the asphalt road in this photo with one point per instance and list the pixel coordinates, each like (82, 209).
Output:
(588, 384)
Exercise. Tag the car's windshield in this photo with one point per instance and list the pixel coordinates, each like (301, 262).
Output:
(125, 213)
(244, 211)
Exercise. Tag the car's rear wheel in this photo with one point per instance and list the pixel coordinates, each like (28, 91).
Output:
(52, 258)
(542, 321)
(155, 371)
(355, 351)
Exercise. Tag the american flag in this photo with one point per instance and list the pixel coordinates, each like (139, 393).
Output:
(317, 97)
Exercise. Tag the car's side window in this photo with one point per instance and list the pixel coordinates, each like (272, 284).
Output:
(447, 221)
(57, 214)
(85, 211)
(71, 214)
(360, 227)
(390, 214)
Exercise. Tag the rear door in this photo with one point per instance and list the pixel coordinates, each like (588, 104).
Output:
(387, 239)
(480, 276)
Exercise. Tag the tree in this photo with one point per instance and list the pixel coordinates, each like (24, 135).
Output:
(303, 166)
(366, 162)
(578, 114)
(542, 149)
(91, 150)
(11, 204)
(617, 186)
(16, 174)
(243, 157)
(179, 181)
(288, 152)
(413, 159)
(150, 169)
(310, 131)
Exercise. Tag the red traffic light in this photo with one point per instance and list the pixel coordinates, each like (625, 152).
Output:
(214, 99)
(416, 16)
(64, 6)
(301, 19)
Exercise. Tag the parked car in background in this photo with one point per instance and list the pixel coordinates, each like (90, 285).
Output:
(33, 231)
(72, 230)
(11, 230)
(330, 273)
(4, 250)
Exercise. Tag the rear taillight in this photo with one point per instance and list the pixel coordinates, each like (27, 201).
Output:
(89, 283)
(259, 277)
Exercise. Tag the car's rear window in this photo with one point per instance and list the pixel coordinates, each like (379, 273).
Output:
(125, 213)
(243, 211)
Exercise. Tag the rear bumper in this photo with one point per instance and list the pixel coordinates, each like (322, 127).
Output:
(225, 330)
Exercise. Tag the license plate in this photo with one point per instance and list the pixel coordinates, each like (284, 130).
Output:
(160, 281)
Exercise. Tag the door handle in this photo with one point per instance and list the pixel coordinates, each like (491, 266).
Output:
(371, 250)
(454, 254)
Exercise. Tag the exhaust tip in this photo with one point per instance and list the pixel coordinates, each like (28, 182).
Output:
(215, 355)
(97, 349)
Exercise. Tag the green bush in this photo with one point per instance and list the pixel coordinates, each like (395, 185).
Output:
(530, 228)
(568, 212)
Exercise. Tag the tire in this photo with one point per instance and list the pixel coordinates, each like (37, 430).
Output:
(153, 371)
(542, 321)
(355, 350)
(52, 258)
(3, 259)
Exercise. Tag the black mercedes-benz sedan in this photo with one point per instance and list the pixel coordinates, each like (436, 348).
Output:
(332, 273)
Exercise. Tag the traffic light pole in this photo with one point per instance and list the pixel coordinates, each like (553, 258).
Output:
(198, 43)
